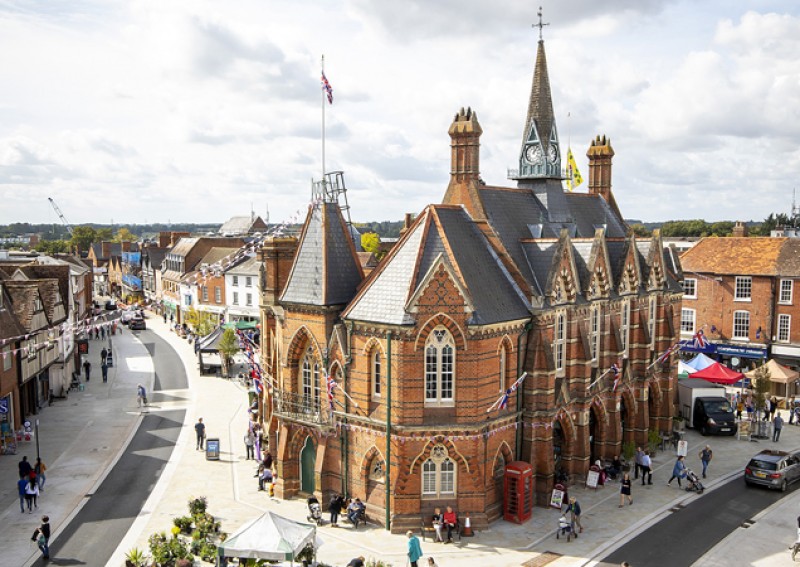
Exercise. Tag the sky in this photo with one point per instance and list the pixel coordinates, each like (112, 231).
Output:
(142, 111)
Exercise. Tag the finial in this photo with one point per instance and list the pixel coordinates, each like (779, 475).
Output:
(540, 25)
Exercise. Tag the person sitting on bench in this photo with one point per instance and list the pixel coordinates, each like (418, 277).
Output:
(355, 511)
(450, 522)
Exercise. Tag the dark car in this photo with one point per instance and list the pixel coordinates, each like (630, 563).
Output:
(137, 324)
(773, 469)
(110, 306)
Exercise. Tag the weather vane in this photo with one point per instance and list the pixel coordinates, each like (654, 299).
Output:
(540, 25)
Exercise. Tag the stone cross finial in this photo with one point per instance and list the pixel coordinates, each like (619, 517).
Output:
(540, 25)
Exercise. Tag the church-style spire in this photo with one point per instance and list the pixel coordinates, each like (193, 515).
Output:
(540, 156)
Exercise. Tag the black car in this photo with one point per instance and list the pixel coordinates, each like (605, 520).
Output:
(137, 324)
(110, 306)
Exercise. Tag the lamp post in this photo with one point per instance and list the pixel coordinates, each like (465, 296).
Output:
(36, 434)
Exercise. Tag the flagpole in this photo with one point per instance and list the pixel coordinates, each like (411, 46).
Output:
(322, 93)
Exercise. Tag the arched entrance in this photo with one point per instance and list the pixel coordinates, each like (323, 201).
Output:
(558, 445)
(594, 431)
(308, 461)
(623, 418)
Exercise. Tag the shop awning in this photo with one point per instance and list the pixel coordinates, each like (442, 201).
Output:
(700, 362)
(777, 373)
(719, 374)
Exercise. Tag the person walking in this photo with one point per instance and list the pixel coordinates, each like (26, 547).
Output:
(414, 549)
(647, 468)
(335, 508)
(249, 444)
(637, 462)
(625, 490)
(790, 406)
(705, 457)
(777, 425)
(22, 484)
(200, 431)
(25, 467)
(42, 537)
(773, 407)
(39, 469)
(141, 395)
(104, 371)
(678, 471)
(32, 493)
(103, 356)
(165, 316)
(87, 368)
(574, 508)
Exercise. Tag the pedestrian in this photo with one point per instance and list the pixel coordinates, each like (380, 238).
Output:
(141, 395)
(165, 317)
(431, 562)
(773, 407)
(25, 467)
(171, 318)
(647, 468)
(356, 562)
(625, 490)
(790, 406)
(32, 493)
(705, 457)
(739, 409)
(42, 537)
(22, 484)
(103, 355)
(335, 508)
(777, 425)
(39, 469)
(268, 460)
(414, 548)
(104, 371)
(767, 409)
(574, 508)
(200, 431)
(103, 332)
(249, 444)
(637, 462)
(678, 471)
(87, 368)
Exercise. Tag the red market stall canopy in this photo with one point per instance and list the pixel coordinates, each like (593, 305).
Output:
(719, 374)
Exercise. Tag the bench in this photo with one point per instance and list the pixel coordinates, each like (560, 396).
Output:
(427, 529)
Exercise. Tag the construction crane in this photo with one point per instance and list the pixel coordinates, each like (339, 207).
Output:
(60, 215)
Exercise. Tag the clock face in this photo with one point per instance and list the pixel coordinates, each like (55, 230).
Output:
(534, 154)
(552, 153)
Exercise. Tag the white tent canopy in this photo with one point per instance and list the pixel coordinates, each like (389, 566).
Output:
(684, 368)
(271, 537)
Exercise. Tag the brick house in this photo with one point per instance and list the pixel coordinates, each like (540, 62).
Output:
(210, 281)
(492, 283)
(740, 292)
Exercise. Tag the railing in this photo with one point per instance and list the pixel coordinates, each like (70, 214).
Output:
(300, 408)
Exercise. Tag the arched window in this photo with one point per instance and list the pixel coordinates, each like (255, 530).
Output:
(502, 368)
(440, 367)
(439, 474)
(560, 342)
(624, 325)
(375, 370)
(309, 380)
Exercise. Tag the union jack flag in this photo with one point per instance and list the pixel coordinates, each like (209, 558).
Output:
(664, 357)
(699, 339)
(617, 375)
(504, 399)
(257, 384)
(326, 86)
(331, 386)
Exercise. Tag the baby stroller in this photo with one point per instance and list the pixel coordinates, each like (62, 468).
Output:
(565, 528)
(693, 483)
(314, 511)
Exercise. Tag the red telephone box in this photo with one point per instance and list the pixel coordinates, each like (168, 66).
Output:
(518, 489)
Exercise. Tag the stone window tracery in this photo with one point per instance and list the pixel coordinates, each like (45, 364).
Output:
(439, 367)
(439, 474)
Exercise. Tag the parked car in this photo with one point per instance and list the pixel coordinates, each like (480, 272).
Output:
(773, 469)
(137, 324)
(126, 316)
(110, 305)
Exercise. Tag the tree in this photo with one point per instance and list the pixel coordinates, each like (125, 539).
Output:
(82, 237)
(371, 242)
(125, 235)
(761, 386)
(640, 230)
(51, 247)
(721, 228)
(228, 346)
(103, 235)
(201, 321)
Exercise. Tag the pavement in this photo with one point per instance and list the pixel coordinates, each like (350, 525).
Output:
(81, 438)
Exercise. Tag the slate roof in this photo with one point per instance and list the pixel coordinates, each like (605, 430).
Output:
(116, 249)
(789, 258)
(590, 212)
(9, 326)
(326, 269)
(742, 256)
(22, 294)
(441, 232)
(244, 224)
(155, 256)
(248, 265)
(216, 255)
(184, 246)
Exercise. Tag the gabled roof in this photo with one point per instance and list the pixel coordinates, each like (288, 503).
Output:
(184, 246)
(741, 256)
(442, 233)
(326, 269)
(9, 325)
(248, 266)
(23, 295)
(216, 255)
(154, 256)
(244, 224)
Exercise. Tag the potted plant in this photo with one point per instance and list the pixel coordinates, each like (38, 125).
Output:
(628, 451)
(198, 506)
(306, 555)
(135, 558)
(653, 440)
(678, 423)
(184, 524)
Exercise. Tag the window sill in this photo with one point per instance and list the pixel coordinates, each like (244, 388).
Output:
(784, 303)
(436, 404)
(690, 297)
(743, 300)
(741, 339)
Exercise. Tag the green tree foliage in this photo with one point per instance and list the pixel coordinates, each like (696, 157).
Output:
(371, 242)
(385, 229)
(772, 222)
(228, 346)
(51, 247)
(685, 228)
(722, 228)
(103, 235)
(202, 322)
(761, 386)
(82, 237)
(640, 230)
(125, 235)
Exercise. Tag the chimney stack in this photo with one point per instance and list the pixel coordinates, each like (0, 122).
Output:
(600, 155)
(739, 229)
(465, 173)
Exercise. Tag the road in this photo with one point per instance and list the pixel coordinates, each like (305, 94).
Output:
(94, 533)
(688, 533)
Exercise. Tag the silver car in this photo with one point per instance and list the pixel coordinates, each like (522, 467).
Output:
(773, 469)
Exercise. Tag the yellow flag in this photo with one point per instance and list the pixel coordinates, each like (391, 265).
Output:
(573, 175)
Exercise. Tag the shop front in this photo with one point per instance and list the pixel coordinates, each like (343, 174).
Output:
(742, 357)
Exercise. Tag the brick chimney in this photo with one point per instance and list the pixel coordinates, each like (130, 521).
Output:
(175, 236)
(105, 249)
(126, 246)
(277, 256)
(739, 229)
(465, 134)
(164, 239)
(408, 220)
(600, 155)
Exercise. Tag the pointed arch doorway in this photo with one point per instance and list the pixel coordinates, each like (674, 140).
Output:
(308, 461)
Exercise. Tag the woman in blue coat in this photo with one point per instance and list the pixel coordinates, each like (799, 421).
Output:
(414, 549)
(678, 471)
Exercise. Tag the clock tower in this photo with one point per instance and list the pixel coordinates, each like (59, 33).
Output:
(540, 155)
